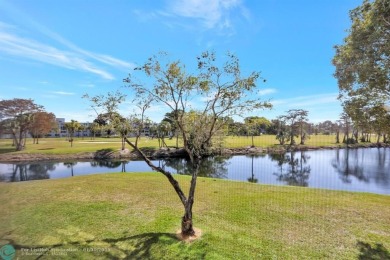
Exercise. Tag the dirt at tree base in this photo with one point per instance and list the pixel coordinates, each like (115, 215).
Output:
(189, 239)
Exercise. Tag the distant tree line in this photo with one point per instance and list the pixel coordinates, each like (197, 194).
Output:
(20, 117)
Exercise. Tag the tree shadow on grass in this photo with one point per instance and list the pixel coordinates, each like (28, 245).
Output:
(7, 150)
(141, 246)
(372, 252)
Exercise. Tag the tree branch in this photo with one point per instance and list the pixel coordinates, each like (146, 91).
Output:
(167, 174)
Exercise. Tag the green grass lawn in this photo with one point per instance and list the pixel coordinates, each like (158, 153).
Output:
(270, 141)
(135, 216)
(62, 146)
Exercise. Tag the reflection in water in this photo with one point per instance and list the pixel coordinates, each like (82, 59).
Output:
(212, 167)
(106, 163)
(363, 165)
(110, 164)
(381, 174)
(293, 169)
(347, 165)
(252, 178)
(70, 165)
(27, 171)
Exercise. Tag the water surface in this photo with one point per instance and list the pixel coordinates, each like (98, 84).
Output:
(363, 169)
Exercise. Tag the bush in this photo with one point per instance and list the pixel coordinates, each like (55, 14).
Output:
(350, 141)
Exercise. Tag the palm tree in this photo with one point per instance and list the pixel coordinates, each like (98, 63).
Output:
(72, 127)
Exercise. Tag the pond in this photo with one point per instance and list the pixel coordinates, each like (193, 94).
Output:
(364, 169)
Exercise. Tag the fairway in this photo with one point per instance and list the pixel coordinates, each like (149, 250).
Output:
(135, 216)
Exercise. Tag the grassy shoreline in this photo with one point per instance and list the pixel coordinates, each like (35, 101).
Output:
(85, 148)
(135, 215)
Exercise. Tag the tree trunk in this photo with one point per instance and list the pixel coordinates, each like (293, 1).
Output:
(164, 144)
(187, 228)
(292, 141)
(17, 142)
(356, 135)
(186, 223)
(19, 147)
(303, 137)
(337, 137)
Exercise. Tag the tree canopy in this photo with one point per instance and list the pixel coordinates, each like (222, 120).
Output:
(16, 117)
(363, 64)
(42, 123)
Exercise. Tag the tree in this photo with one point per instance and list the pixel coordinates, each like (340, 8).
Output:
(123, 127)
(17, 117)
(346, 123)
(72, 127)
(256, 125)
(362, 62)
(337, 126)
(163, 130)
(108, 105)
(42, 123)
(302, 121)
(380, 122)
(296, 119)
(80, 131)
(170, 118)
(282, 133)
(93, 129)
(223, 89)
(326, 127)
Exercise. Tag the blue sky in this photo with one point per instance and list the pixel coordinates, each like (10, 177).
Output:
(56, 51)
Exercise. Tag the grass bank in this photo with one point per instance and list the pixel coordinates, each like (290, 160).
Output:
(55, 146)
(135, 216)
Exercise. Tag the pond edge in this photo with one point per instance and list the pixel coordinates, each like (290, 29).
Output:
(175, 152)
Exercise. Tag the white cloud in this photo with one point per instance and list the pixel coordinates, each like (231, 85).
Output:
(72, 57)
(304, 101)
(106, 59)
(219, 15)
(27, 48)
(63, 93)
(212, 13)
(87, 85)
(321, 107)
(266, 91)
